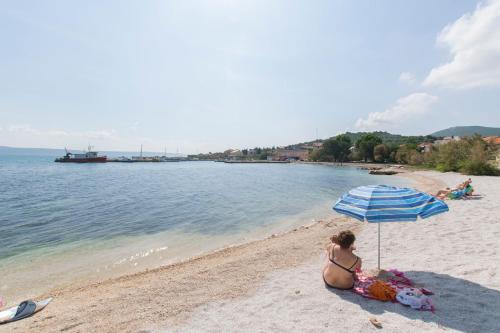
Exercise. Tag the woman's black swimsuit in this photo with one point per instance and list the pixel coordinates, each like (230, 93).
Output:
(344, 268)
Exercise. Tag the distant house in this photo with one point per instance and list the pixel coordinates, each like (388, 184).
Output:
(447, 139)
(252, 152)
(317, 144)
(291, 155)
(233, 154)
(495, 140)
(312, 146)
(425, 147)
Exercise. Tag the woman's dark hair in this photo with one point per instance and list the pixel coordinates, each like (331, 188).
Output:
(344, 239)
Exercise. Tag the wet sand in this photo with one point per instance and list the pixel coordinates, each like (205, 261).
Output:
(166, 296)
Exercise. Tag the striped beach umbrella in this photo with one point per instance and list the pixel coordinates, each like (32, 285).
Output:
(381, 203)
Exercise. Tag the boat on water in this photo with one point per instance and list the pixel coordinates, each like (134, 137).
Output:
(169, 159)
(87, 157)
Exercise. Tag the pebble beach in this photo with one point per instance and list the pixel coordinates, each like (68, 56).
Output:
(275, 284)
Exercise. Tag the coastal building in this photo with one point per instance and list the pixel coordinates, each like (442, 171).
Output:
(254, 151)
(446, 140)
(291, 155)
(425, 147)
(233, 154)
(312, 146)
(318, 144)
(495, 140)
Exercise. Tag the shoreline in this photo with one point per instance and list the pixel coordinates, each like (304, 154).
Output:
(130, 256)
(178, 288)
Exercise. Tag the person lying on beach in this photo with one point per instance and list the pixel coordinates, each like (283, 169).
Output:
(468, 187)
(463, 193)
(443, 194)
(341, 264)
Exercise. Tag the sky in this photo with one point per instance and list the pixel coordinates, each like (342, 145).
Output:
(205, 76)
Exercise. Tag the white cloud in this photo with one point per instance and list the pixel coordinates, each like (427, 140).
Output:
(94, 135)
(474, 44)
(406, 109)
(100, 135)
(135, 126)
(57, 133)
(23, 128)
(407, 77)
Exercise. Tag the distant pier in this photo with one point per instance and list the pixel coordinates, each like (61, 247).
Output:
(255, 161)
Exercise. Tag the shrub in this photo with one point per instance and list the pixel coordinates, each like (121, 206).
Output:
(415, 158)
(381, 153)
(479, 168)
(468, 156)
(366, 144)
(452, 155)
(402, 155)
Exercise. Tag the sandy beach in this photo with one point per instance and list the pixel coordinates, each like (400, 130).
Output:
(250, 166)
(275, 285)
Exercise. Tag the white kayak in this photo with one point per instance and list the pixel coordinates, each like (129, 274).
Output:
(23, 310)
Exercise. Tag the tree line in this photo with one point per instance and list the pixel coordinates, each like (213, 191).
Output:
(471, 155)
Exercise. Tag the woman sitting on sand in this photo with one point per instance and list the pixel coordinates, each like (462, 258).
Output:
(338, 271)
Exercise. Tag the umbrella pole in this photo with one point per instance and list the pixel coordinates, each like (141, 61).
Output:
(379, 246)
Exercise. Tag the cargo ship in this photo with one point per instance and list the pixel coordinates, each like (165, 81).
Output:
(88, 157)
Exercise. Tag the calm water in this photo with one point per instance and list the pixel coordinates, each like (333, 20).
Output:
(113, 214)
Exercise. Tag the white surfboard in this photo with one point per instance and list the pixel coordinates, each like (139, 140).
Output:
(10, 314)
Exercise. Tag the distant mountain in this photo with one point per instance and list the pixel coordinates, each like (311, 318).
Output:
(59, 152)
(468, 131)
(31, 151)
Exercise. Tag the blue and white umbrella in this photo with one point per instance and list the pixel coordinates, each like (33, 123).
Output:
(381, 203)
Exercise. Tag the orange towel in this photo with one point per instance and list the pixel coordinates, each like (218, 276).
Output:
(382, 291)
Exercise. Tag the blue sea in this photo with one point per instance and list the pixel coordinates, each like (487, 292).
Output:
(65, 222)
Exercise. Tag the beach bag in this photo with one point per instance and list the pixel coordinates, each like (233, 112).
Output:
(415, 299)
(382, 291)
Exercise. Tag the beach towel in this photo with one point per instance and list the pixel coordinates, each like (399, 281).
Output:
(456, 194)
(397, 281)
(382, 291)
(459, 194)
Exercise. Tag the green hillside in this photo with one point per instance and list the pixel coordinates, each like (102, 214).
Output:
(387, 138)
(390, 139)
(468, 131)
